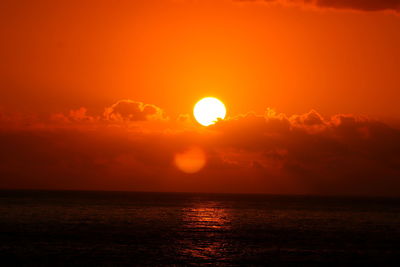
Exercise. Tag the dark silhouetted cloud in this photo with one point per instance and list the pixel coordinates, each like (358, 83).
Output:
(270, 153)
(362, 5)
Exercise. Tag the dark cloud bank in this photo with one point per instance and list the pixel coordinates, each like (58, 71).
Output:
(269, 153)
(362, 5)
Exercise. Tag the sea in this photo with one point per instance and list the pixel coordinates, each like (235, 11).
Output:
(88, 228)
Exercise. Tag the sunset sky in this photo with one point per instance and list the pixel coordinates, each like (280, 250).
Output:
(99, 95)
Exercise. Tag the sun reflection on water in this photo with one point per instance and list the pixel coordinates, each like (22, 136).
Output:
(206, 226)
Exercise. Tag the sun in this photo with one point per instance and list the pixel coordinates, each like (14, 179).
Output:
(208, 110)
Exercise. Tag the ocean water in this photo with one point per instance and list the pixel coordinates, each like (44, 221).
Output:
(64, 228)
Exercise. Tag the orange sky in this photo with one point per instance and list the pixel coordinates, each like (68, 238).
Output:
(58, 55)
(332, 56)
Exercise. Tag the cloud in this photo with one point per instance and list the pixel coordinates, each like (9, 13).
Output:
(361, 5)
(263, 153)
(365, 5)
(343, 154)
(79, 115)
(128, 110)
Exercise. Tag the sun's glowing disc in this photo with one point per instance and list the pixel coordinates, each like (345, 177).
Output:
(208, 110)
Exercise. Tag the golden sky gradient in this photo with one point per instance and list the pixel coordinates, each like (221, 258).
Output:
(99, 95)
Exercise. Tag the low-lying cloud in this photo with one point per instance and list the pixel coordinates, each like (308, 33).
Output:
(128, 110)
(270, 153)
